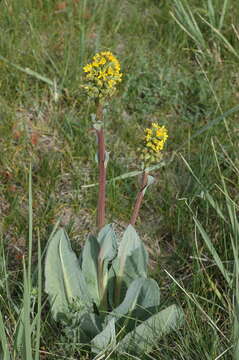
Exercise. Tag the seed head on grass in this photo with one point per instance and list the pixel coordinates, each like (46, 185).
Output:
(102, 75)
(153, 143)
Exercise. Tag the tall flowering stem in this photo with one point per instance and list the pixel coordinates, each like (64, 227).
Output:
(139, 198)
(102, 167)
(101, 77)
(153, 142)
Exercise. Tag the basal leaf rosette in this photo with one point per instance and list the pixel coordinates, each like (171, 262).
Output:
(153, 143)
(102, 75)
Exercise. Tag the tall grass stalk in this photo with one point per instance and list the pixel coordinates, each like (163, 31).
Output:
(24, 341)
(230, 273)
(5, 353)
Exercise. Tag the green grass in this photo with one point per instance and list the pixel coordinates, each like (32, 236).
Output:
(180, 64)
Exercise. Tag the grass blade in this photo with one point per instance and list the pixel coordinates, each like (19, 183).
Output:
(223, 13)
(214, 253)
(3, 340)
(39, 295)
(221, 37)
(26, 315)
(28, 72)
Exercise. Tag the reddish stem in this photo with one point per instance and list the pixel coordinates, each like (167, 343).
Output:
(102, 170)
(139, 199)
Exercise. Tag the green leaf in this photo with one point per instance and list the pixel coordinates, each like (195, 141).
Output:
(149, 295)
(148, 301)
(108, 251)
(90, 326)
(133, 173)
(130, 300)
(141, 301)
(142, 294)
(90, 267)
(64, 279)
(129, 246)
(97, 254)
(108, 243)
(131, 262)
(144, 337)
(106, 340)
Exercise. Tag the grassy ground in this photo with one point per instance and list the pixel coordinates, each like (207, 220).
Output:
(180, 66)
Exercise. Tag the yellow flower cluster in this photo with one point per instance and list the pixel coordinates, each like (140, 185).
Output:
(102, 75)
(154, 141)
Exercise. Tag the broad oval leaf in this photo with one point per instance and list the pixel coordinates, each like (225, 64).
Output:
(97, 254)
(145, 336)
(149, 295)
(147, 303)
(90, 267)
(89, 326)
(108, 251)
(106, 340)
(108, 243)
(131, 262)
(141, 301)
(64, 279)
(130, 300)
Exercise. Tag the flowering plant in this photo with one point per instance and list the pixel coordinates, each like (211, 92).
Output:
(102, 75)
(105, 298)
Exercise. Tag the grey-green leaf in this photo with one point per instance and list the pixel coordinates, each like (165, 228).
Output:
(90, 325)
(130, 300)
(131, 262)
(147, 303)
(145, 336)
(108, 243)
(132, 247)
(106, 340)
(64, 279)
(149, 295)
(108, 251)
(90, 267)
(141, 301)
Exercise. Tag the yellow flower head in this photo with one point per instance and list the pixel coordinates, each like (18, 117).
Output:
(102, 75)
(154, 140)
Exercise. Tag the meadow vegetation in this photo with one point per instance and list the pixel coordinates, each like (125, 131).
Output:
(179, 60)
